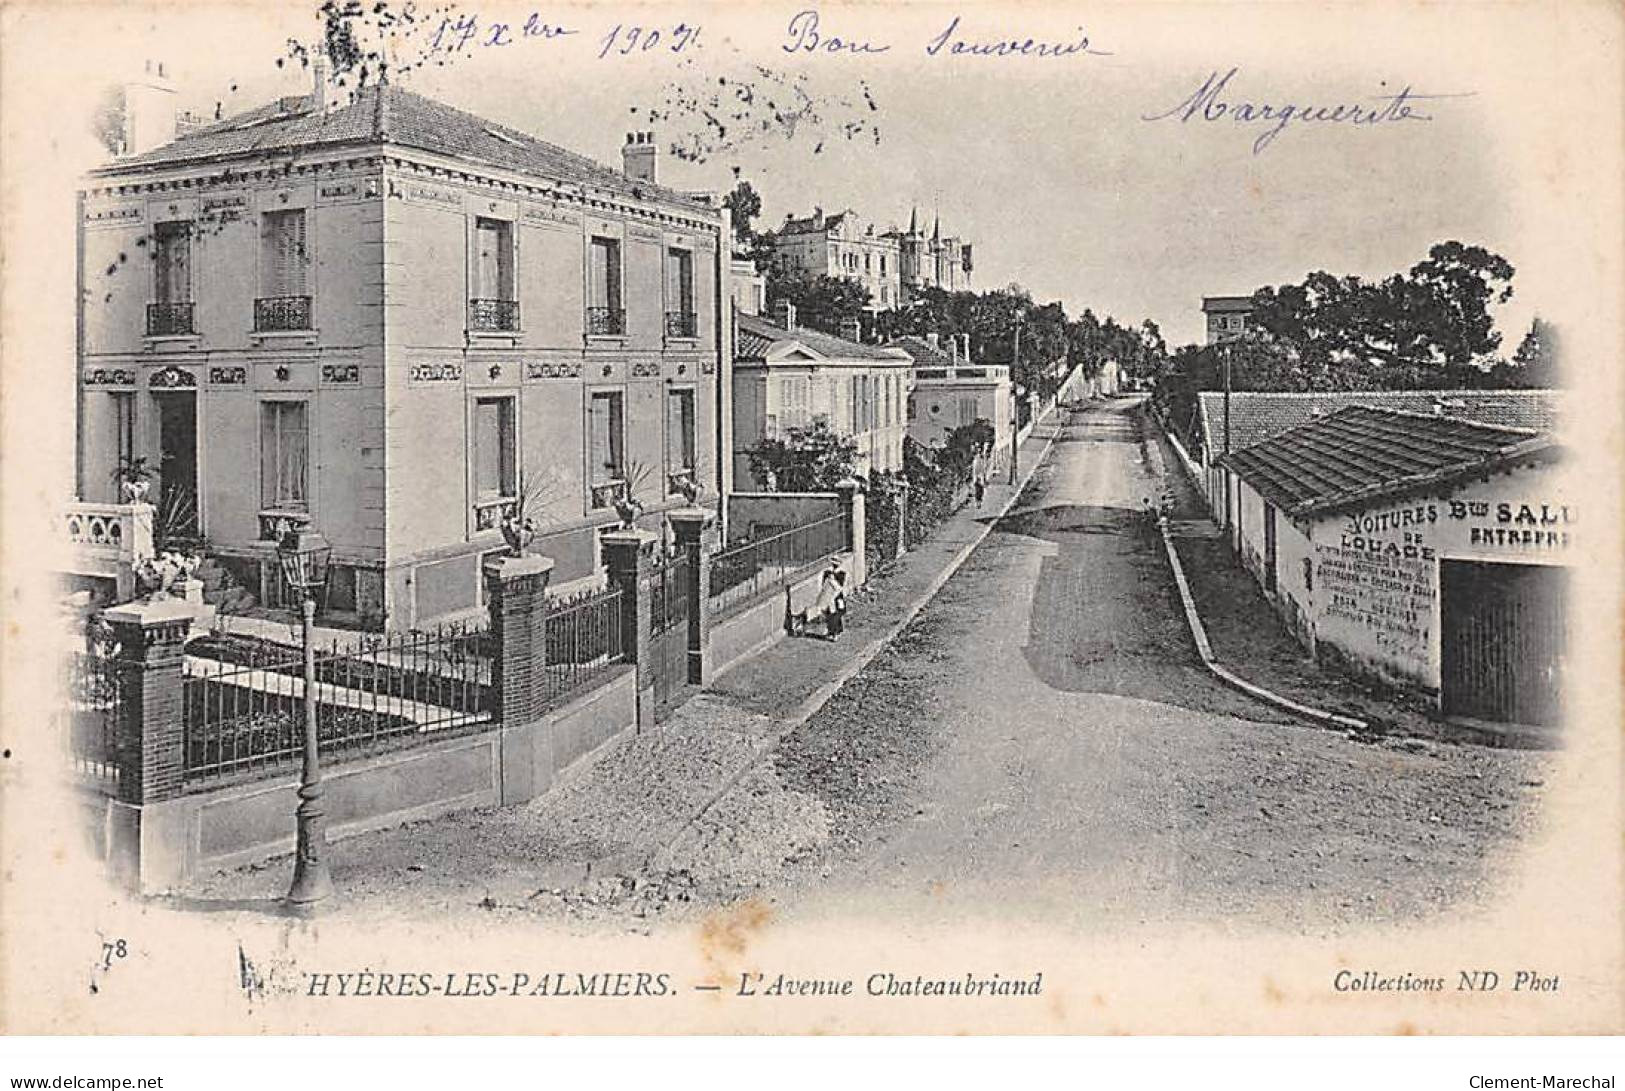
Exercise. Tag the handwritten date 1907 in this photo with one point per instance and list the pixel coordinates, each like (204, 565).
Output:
(624, 40)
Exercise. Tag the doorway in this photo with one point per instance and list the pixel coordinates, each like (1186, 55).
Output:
(177, 522)
(1502, 633)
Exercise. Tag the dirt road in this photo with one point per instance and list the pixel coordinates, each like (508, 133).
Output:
(1045, 737)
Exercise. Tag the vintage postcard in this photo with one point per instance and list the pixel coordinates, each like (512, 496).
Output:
(1079, 518)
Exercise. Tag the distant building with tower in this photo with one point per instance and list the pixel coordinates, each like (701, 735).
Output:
(894, 265)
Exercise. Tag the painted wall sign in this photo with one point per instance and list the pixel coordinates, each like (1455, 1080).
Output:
(436, 373)
(234, 375)
(1376, 603)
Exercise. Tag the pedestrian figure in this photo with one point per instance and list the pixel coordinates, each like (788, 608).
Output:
(978, 471)
(824, 606)
(836, 623)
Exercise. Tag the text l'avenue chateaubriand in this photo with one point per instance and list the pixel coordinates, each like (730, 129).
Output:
(808, 33)
(1214, 101)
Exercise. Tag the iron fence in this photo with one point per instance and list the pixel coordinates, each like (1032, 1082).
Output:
(244, 699)
(745, 573)
(493, 314)
(95, 693)
(583, 634)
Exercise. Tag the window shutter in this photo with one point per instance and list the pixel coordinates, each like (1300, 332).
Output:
(487, 450)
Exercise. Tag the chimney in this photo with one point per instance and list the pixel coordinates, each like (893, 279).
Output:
(638, 157)
(318, 81)
(784, 314)
(851, 329)
(149, 111)
(934, 340)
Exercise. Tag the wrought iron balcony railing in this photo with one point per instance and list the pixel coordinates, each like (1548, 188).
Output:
(493, 315)
(282, 312)
(605, 321)
(680, 482)
(605, 493)
(488, 514)
(168, 319)
(276, 522)
(682, 324)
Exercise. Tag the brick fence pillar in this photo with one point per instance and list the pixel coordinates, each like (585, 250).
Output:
(688, 526)
(150, 736)
(516, 593)
(628, 554)
(516, 590)
(857, 542)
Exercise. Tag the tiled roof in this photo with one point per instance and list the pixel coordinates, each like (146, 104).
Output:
(388, 115)
(1225, 304)
(1256, 416)
(758, 335)
(1360, 454)
(924, 354)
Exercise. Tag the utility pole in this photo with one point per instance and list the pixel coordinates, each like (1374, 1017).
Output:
(1225, 350)
(1015, 404)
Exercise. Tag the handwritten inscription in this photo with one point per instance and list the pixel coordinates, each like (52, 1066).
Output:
(804, 35)
(951, 43)
(1210, 103)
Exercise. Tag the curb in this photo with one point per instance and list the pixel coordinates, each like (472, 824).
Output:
(820, 697)
(1205, 650)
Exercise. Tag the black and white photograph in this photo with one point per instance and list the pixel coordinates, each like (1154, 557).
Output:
(602, 518)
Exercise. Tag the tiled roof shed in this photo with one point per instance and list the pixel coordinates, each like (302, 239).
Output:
(1360, 454)
(1257, 415)
(924, 354)
(387, 114)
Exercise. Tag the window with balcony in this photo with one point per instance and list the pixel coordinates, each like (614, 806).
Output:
(680, 317)
(493, 457)
(605, 316)
(284, 457)
(494, 306)
(284, 302)
(679, 439)
(170, 313)
(606, 445)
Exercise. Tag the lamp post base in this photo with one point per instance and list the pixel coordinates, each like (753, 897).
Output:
(312, 882)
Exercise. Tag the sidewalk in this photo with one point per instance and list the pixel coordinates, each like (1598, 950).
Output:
(616, 834)
(1249, 637)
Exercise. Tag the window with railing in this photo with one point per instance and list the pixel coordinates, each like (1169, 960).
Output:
(285, 302)
(171, 310)
(679, 440)
(493, 457)
(494, 306)
(605, 447)
(284, 457)
(605, 316)
(681, 320)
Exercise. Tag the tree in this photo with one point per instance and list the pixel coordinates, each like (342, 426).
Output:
(744, 204)
(1537, 362)
(811, 459)
(1420, 328)
(821, 302)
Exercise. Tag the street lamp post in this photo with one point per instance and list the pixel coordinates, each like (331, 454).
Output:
(303, 555)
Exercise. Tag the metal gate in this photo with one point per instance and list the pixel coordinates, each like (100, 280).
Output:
(1502, 641)
(668, 631)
